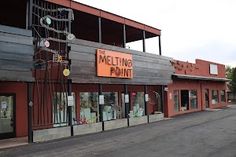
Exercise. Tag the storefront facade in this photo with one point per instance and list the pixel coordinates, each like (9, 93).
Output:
(66, 70)
(196, 87)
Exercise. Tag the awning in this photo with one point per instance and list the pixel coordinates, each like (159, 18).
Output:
(194, 77)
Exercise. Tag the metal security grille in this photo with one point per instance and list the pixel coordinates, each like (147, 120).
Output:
(51, 25)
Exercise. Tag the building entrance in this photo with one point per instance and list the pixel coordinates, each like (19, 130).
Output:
(206, 98)
(7, 116)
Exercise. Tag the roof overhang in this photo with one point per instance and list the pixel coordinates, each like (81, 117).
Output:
(107, 15)
(194, 77)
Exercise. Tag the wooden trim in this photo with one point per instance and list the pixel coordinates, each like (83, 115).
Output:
(112, 17)
(134, 24)
(65, 3)
(85, 8)
(152, 30)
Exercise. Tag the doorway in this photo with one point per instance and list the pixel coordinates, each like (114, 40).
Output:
(7, 116)
(184, 100)
(206, 98)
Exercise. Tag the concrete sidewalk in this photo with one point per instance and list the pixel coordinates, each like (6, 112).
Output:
(13, 142)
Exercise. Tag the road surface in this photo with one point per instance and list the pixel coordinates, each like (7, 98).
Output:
(204, 134)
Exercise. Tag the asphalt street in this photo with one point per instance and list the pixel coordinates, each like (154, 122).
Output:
(202, 134)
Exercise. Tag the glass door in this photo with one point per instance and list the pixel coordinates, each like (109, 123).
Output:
(7, 116)
(206, 98)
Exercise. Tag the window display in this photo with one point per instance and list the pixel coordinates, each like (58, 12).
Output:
(222, 96)
(154, 102)
(193, 99)
(88, 108)
(215, 98)
(176, 100)
(111, 108)
(137, 104)
(60, 117)
(6, 114)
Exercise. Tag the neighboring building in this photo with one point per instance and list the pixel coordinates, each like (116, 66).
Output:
(44, 70)
(196, 87)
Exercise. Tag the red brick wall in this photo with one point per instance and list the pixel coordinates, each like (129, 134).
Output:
(20, 89)
(193, 85)
(200, 68)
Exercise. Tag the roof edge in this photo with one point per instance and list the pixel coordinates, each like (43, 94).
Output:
(195, 77)
(105, 14)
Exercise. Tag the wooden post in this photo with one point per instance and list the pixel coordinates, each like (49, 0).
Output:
(124, 36)
(99, 29)
(126, 97)
(30, 106)
(144, 46)
(160, 45)
(146, 102)
(101, 106)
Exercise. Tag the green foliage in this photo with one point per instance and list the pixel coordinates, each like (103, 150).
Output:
(231, 74)
(233, 80)
(228, 72)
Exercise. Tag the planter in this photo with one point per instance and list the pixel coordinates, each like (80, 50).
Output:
(156, 117)
(115, 124)
(50, 134)
(137, 120)
(87, 128)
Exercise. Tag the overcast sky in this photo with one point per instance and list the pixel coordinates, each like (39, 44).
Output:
(204, 29)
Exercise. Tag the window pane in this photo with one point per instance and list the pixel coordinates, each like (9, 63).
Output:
(60, 109)
(214, 97)
(137, 104)
(176, 100)
(154, 102)
(222, 96)
(111, 107)
(88, 108)
(6, 114)
(193, 99)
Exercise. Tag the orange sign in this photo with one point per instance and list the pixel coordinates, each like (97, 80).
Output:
(114, 64)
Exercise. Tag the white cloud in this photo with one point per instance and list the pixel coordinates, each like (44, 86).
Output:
(190, 29)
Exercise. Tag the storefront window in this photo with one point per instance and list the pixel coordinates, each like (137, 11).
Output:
(60, 109)
(176, 100)
(137, 104)
(222, 96)
(88, 108)
(111, 108)
(215, 99)
(193, 99)
(154, 102)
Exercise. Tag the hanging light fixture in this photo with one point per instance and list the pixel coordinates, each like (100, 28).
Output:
(48, 21)
(66, 72)
(46, 43)
(70, 36)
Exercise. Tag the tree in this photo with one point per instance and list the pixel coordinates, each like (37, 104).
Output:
(228, 72)
(233, 80)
